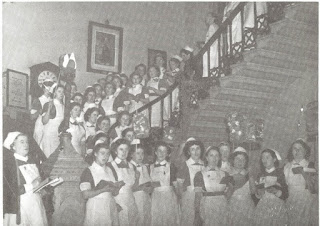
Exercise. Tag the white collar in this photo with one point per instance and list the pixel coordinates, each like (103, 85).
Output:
(117, 160)
(270, 170)
(190, 161)
(161, 163)
(72, 120)
(176, 70)
(89, 124)
(303, 163)
(97, 166)
(20, 157)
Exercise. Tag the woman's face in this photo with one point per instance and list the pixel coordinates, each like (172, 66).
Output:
(59, 93)
(195, 152)
(102, 156)
(138, 155)
(239, 162)
(124, 80)
(159, 61)
(161, 153)
(93, 117)
(91, 96)
(185, 56)
(124, 121)
(136, 79)
(298, 152)
(109, 78)
(122, 151)
(225, 152)
(102, 82)
(267, 160)
(78, 99)
(117, 82)
(75, 112)
(98, 91)
(105, 125)
(153, 73)
(130, 136)
(21, 145)
(141, 71)
(213, 158)
(109, 90)
(173, 65)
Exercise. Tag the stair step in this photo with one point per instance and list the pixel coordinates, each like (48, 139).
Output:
(247, 93)
(293, 42)
(296, 66)
(252, 87)
(293, 29)
(311, 52)
(297, 61)
(244, 99)
(268, 72)
(250, 80)
(227, 107)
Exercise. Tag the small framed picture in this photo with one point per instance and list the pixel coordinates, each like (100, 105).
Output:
(17, 89)
(153, 53)
(104, 48)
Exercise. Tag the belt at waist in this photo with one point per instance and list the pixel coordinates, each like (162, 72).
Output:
(164, 188)
(215, 193)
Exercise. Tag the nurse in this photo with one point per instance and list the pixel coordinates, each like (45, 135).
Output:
(20, 176)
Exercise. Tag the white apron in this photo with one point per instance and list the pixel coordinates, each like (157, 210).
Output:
(213, 209)
(143, 199)
(31, 207)
(270, 210)
(164, 209)
(188, 197)
(299, 202)
(241, 207)
(101, 209)
(129, 213)
(50, 139)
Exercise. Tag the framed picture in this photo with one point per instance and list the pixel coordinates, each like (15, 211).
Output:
(17, 91)
(152, 53)
(104, 48)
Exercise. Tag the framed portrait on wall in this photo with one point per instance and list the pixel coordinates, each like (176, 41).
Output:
(16, 89)
(152, 53)
(104, 48)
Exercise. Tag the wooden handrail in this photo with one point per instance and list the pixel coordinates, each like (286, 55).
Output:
(158, 99)
(149, 105)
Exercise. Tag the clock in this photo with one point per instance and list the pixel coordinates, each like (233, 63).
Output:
(38, 74)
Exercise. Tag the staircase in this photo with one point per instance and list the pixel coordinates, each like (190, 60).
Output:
(284, 57)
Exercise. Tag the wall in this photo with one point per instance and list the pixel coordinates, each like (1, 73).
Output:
(38, 32)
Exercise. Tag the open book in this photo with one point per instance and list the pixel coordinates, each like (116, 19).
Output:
(48, 182)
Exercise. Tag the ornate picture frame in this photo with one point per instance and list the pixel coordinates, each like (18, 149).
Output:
(17, 89)
(104, 48)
